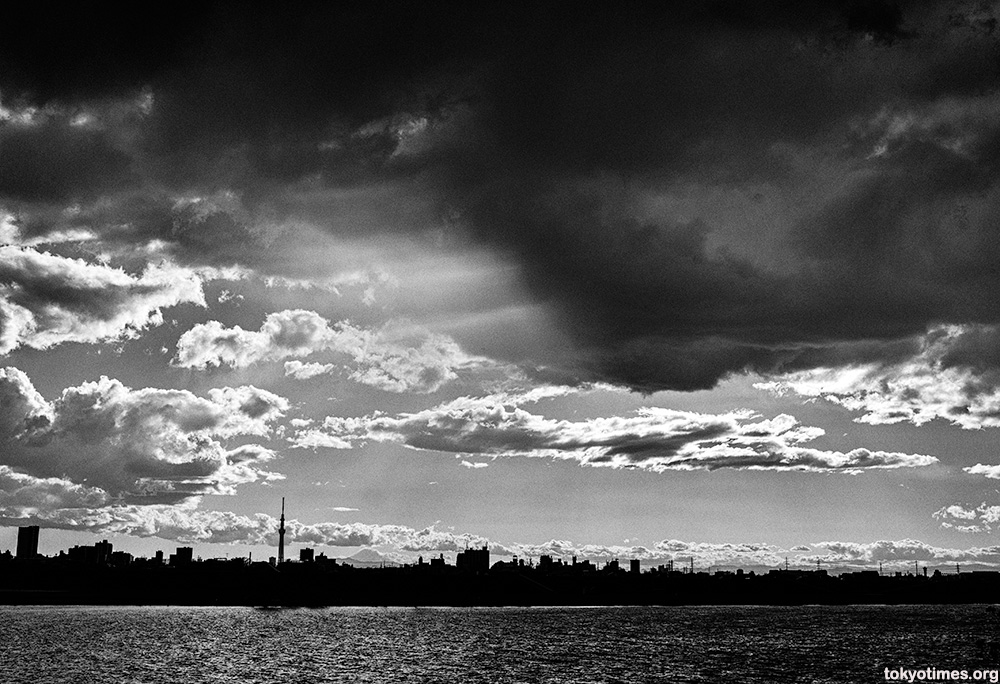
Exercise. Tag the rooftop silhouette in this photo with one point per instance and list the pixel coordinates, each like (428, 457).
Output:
(100, 575)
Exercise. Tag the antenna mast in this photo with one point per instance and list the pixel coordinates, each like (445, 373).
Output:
(281, 534)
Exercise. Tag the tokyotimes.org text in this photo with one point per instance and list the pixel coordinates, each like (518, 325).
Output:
(934, 674)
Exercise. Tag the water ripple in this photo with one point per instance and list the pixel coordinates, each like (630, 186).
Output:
(161, 645)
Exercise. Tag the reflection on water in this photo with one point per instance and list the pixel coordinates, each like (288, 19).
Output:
(674, 644)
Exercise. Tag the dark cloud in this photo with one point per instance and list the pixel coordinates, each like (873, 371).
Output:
(654, 303)
(547, 134)
(58, 162)
(977, 348)
(243, 93)
(882, 20)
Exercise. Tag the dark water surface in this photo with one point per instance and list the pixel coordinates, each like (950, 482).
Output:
(40, 644)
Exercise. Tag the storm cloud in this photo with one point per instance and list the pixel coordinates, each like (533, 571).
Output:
(684, 191)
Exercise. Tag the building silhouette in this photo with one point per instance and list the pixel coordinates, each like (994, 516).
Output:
(101, 553)
(86, 555)
(120, 559)
(99, 575)
(104, 551)
(183, 556)
(27, 542)
(473, 560)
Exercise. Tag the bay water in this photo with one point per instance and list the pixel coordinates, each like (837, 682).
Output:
(154, 645)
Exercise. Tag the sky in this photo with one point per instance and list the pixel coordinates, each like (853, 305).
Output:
(649, 280)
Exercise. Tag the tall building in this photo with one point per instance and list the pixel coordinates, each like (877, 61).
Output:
(307, 555)
(474, 560)
(27, 542)
(104, 551)
(281, 534)
(183, 556)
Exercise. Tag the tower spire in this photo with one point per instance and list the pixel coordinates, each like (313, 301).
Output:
(281, 534)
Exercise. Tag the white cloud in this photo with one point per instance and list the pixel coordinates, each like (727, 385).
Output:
(847, 555)
(10, 234)
(959, 513)
(990, 471)
(247, 410)
(653, 438)
(317, 439)
(140, 446)
(227, 296)
(403, 358)
(831, 554)
(368, 285)
(304, 371)
(46, 299)
(680, 552)
(904, 551)
(433, 539)
(187, 524)
(949, 378)
(982, 518)
(23, 410)
(283, 334)
(25, 493)
(396, 358)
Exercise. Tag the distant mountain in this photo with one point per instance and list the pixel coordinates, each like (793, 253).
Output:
(369, 558)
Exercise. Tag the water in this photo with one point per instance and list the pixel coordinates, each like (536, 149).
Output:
(579, 645)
